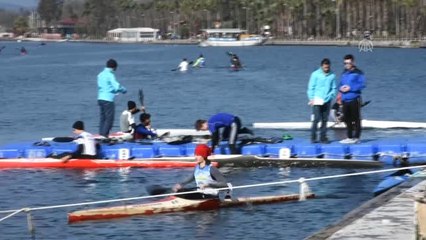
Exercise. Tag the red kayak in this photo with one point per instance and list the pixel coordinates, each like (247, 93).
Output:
(95, 163)
(175, 204)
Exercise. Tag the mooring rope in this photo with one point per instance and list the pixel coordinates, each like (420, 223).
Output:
(300, 180)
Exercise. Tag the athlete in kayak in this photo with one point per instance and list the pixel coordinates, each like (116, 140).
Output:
(183, 66)
(23, 51)
(200, 62)
(144, 129)
(206, 176)
(127, 120)
(235, 61)
(86, 145)
(230, 126)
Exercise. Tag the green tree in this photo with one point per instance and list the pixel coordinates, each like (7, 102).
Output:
(20, 25)
(50, 10)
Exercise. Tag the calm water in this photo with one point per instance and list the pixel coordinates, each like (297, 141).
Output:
(43, 93)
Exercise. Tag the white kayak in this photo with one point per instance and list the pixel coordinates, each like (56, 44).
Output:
(172, 132)
(365, 124)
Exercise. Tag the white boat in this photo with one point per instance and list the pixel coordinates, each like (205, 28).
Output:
(365, 124)
(230, 37)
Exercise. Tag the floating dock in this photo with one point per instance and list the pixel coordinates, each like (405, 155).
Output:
(386, 151)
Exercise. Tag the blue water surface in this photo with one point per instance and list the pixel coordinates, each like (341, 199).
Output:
(43, 93)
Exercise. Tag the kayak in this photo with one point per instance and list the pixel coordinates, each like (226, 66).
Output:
(174, 204)
(183, 162)
(365, 124)
(394, 179)
(94, 163)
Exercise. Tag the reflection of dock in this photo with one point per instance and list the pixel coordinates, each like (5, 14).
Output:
(388, 216)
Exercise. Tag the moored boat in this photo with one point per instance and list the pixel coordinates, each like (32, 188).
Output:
(230, 37)
(96, 163)
(175, 204)
(373, 124)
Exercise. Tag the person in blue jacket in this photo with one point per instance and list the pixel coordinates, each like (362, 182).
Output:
(228, 123)
(351, 84)
(144, 129)
(108, 87)
(322, 89)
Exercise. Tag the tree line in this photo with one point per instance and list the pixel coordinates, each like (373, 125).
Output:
(293, 19)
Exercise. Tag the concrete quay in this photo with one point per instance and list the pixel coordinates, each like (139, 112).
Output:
(392, 215)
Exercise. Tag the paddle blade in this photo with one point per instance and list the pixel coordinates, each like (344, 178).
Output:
(365, 103)
(63, 139)
(157, 190)
(141, 97)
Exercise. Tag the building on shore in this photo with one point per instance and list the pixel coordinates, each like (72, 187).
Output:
(133, 34)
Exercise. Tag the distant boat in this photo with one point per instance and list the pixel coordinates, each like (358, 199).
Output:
(230, 37)
(365, 124)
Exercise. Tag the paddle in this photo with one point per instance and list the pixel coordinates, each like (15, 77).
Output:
(63, 139)
(141, 99)
(365, 103)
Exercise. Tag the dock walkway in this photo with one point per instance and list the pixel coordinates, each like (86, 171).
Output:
(389, 216)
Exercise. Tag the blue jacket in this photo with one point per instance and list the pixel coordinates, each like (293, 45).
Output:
(108, 85)
(322, 85)
(141, 132)
(220, 120)
(355, 79)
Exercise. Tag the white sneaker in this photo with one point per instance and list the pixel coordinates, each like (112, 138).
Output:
(346, 141)
(355, 140)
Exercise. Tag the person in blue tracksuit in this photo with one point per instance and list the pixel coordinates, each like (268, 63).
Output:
(144, 129)
(322, 89)
(228, 123)
(206, 176)
(108, 87)
(352, 82)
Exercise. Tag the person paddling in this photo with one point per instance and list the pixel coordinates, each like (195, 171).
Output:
(235, 61)
(86, 145)
(206, 176)
(200, 62)
(144, 130)
(127, 120)
(23, 51)
(183, 66)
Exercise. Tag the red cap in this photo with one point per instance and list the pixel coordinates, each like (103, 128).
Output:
(202, 150)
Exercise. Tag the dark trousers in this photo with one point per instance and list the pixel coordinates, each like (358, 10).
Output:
(352, 117)
(106, 121)
(231, 133)
(321, 113)
(74, 155)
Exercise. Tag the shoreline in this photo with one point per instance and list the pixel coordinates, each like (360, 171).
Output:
(403, 43)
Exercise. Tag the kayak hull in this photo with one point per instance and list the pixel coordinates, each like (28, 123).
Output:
(174, 204)
(93, 163)
(184, 162)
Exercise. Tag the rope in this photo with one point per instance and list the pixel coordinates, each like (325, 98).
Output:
(15, 211)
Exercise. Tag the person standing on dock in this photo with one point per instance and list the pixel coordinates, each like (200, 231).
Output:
(108, 87)
(322, 89)
(352, 82)
(230, 126)
(206, 177)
